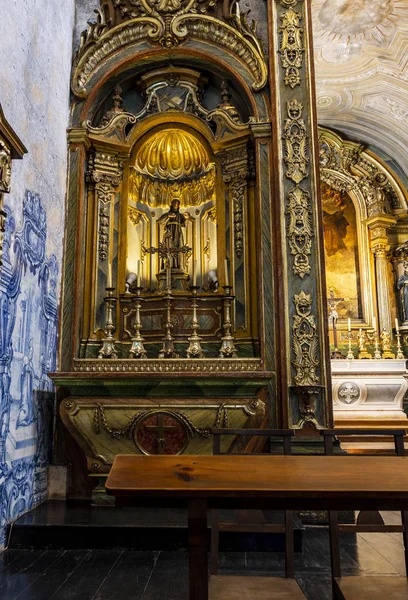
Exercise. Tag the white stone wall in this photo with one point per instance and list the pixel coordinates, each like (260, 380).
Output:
(36, 38)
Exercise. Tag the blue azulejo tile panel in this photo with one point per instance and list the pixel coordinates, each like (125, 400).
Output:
(28, 338)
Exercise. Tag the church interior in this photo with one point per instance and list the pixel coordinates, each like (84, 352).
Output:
(203, 257)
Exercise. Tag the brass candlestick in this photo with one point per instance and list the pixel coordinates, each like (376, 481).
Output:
(377, 353)
(108, 349)
(137, 349)
(350, 355)
(194, 350)
(400, 354)
(227, 349)
(168, 350)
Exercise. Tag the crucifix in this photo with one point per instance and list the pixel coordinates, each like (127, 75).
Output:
(333, 317)
(167, 252)
(160, 429)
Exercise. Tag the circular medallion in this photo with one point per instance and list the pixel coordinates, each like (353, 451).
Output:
(161, 432)
(353, 17)
(349, 392)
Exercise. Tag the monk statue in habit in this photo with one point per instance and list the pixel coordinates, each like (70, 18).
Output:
(173, 222)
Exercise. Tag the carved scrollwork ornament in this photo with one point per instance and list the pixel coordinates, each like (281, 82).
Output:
(291, 48)
(202, 365)
(295, 143)
(300, 229)
(5, 167)
(105, 171)
(288, 3)
(235, 175)
(305, 341)
(169, 23)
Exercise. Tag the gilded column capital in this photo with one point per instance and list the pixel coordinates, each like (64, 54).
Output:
(105, 168)
(381, 251)
(379, 226)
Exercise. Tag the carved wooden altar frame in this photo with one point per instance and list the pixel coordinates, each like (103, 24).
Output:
(291, 374)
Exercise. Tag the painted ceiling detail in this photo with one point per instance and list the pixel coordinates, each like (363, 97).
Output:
(361, 54)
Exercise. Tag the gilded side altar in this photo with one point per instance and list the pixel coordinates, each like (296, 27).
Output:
(192, 295)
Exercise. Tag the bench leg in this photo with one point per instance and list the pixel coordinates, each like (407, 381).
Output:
(198, 549)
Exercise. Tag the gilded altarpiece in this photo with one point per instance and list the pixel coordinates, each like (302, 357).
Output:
(193, 217)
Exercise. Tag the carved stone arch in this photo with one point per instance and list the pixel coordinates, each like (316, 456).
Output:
(347, 163)
(379, 198)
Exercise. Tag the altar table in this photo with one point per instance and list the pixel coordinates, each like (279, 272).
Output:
(256, 482)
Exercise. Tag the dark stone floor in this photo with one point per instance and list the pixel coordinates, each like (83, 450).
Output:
(114, 574)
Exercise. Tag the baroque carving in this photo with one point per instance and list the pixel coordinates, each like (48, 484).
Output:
(287, 3)
(92, 34)
(304, 341)
(11, 147)
(105, 171)
(168, 23)
(130, 429)
(115, 121)
(5, 167)
(135, 216)
(300, 229)
(374, 197)
(202, 365)
(291, 46)
(235, 173)
(346, 167)
(295, 143)
(103, 232)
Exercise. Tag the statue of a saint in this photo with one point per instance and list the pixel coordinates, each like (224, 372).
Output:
(385, 340)
(402, 285)
(173, 222)
(361, 340)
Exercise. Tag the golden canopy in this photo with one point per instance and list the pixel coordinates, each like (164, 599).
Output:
(172, 164)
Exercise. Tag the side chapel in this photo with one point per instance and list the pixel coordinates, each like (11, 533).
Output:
(194, 290)
(209, 278)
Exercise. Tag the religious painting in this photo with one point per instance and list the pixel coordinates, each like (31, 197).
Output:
(341, 253)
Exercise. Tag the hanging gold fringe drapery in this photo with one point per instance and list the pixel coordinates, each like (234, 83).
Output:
(172, 164)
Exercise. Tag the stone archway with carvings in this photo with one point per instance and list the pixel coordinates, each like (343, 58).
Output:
(380, 202)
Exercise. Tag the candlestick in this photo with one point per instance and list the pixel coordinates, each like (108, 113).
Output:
(400, 354)
(109, 280)
(350, 355)
(227, 349)
(194, 350)
(108, 349)
(226, 272)
(377, 353)
(167, 349)
(137, 349)
(195, 273)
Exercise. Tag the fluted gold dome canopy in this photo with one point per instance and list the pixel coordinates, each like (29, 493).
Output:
(172, 154)
(173, 163)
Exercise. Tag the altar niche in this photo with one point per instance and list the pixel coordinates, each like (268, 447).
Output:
(177, 239)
